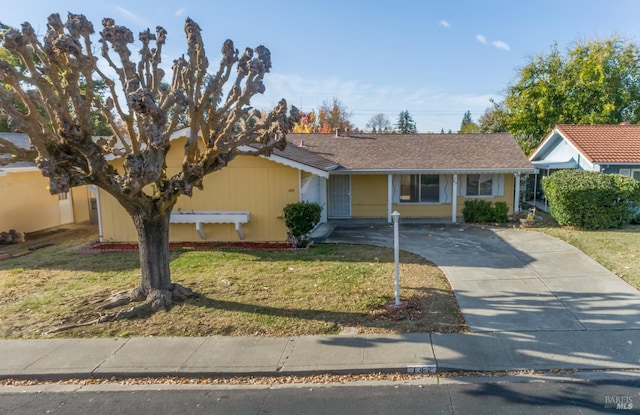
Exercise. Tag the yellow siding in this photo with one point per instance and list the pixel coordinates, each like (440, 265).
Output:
(27, 205)
(423, 211)
(116, 222)
(248, 183)
(369, 196)
(444, 210)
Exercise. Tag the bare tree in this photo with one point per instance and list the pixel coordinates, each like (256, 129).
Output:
(58, 92)
(379, 123)
(333, 114)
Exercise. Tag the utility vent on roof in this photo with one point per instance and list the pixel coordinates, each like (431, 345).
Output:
(340, 133)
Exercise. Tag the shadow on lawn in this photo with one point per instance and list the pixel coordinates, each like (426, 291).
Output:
(54, 257)
(423, 314)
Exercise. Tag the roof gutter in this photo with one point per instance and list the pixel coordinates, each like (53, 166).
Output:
(437, 171)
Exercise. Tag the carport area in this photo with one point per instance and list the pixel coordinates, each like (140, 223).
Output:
(508, 280)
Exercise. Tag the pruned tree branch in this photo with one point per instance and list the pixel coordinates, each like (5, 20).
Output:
(59, 85)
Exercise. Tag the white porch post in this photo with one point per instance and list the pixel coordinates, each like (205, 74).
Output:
(323, 199)
(454, 199)
(389, 197)
(516, 201)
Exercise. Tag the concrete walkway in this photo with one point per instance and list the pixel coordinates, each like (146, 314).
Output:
(532, 302)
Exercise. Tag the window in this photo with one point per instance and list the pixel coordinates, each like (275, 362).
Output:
(635, 173)
(479, 185)
(420, 188)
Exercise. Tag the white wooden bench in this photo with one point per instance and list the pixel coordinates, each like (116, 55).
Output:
(200, 217)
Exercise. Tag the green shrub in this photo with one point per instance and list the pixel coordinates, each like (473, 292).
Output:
(300, 219)
(478, 211)
(500, 212)
(592, 200)
(483, 211)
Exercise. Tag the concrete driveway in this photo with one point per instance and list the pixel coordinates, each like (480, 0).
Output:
(512, 280)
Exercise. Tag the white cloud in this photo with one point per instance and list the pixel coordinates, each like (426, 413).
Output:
(179, 12)
(132, 16)
(501, 45)
(444, 23)
(495, 43)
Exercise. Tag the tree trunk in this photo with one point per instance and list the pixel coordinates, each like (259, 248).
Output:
(156, 290)
(153, 246)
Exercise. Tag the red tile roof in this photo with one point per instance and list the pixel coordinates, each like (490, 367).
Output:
(604, 143)
(381, 152)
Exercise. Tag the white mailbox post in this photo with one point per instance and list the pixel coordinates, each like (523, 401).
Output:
(396, 254)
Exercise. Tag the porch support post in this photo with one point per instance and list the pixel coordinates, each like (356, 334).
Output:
(389, 197)
(323, 199)
(516, 200)
(454, 199)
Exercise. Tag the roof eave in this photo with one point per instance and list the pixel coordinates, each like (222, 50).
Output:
(503, 170)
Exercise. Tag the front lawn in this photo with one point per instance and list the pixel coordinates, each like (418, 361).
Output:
(618, 250)
(321, 290)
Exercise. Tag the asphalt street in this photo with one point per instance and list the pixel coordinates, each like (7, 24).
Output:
(610, 396)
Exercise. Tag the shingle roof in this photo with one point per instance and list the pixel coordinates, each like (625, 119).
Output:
(604, 143)
(298, 153)
(380, 152)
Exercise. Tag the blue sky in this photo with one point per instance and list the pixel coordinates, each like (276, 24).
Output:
(435, 58)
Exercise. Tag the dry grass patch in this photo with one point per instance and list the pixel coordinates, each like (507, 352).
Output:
(316, 291)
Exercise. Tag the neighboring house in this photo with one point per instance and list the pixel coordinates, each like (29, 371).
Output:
(364, 176)
(27, 205)
(602, 148)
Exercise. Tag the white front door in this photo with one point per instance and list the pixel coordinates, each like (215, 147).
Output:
(66, 208)
(339, 197)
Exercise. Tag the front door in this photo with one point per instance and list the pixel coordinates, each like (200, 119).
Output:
(339, 197)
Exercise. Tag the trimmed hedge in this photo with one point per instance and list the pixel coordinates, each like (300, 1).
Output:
(592, 200)
(300, 218)
(483, 211)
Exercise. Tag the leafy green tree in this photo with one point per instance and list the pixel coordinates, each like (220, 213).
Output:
(597, 82)
(494, 119)
(405, 124)
(467, 125)
(15, 62)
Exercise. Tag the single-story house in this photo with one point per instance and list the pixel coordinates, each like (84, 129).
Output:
(602, 148)
(28, 206)
(611, 148)
(359, 176)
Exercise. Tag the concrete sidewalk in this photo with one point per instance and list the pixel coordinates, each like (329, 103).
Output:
(254, 356)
